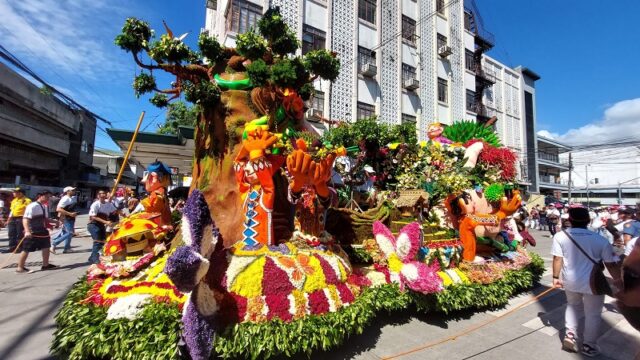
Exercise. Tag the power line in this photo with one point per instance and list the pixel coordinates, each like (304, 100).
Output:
(8, 56)
(78, 75)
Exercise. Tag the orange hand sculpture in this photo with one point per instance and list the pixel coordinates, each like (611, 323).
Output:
(321, 174)
(508, 207)
(299, 164)
(256, 143)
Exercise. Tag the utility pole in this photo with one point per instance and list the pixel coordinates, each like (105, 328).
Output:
(586, 172)
(570, 170)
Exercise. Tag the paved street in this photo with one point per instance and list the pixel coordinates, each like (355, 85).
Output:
(30, 301)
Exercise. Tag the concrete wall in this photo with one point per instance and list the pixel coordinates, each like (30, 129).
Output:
(42, 139)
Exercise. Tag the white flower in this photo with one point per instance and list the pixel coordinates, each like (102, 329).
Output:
(127, 307)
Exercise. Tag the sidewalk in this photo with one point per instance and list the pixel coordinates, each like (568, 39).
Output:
(28, 302)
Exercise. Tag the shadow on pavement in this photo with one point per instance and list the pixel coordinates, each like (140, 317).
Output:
(20, 337)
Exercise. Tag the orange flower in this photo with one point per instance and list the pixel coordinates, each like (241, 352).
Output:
(300, 265)
(293, 105)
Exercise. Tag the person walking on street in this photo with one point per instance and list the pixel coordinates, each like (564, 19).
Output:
(553, 216)
(18, 206)
(571, 270)
(99, 213)
(534, 222)
(542, 224)
(36, 224)
(66, 209)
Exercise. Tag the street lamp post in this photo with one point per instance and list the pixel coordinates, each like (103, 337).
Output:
(620, 189)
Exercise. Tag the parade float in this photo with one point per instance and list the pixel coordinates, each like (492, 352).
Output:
(272, 256)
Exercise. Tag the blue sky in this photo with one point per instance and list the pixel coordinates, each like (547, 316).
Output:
(587, 53)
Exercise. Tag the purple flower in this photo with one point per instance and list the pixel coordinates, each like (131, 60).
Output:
(198, 333)
(182, 267)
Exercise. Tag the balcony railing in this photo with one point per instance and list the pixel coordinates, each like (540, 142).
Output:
(553, 158)
(556, 180)
(485, 73)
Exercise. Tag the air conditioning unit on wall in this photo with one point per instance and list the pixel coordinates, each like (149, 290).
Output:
(445, 51)
(368, 70)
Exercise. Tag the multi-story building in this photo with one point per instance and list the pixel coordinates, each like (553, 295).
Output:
(551, 166)
(416, 61)
(43, 141)
(605, 175)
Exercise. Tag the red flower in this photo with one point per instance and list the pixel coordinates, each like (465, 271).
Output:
(275, 280)
(318, 302)
(278, 307)
(329, 274)
(346, 296)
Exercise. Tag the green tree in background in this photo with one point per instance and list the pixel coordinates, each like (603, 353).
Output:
(178, 114)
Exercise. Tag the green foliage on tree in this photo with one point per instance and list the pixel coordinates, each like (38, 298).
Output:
(323, 64)
(269, 50)
(306, 91)
(159, 100)
(405, 133)
(210, 47)
(251, 45)
(135, 35)
(143, 84)
(169, 49)
(178, 114)
(259, 72)
(204, 93)
(372, 132)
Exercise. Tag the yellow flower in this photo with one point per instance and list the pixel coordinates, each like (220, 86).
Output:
(249, 282)
(395, 264)
(315, 280)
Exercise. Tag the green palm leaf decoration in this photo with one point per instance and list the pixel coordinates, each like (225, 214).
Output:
(465, 130)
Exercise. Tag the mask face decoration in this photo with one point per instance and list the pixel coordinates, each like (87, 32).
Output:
(434, 130)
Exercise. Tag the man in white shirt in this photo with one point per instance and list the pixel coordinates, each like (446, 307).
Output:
(571, 271)
(36, 225)
(67, 213)
(99, 214)
(553, 216)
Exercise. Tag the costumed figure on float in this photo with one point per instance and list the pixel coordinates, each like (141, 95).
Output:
(255, 267)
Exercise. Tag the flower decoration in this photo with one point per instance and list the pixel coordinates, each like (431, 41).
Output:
(401, 254)
(494, 192)
(293, 104)
(188, 266)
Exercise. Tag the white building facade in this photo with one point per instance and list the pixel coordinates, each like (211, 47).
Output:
(605, 176)
(419, 61)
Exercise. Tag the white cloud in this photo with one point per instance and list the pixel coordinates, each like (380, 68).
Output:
(621, 121)
(68, 38)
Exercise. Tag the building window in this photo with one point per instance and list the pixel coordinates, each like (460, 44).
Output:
(317, 102)
(467, 20)
(408, 72)
(440, 6)
(442, 90)
(442, 41)
(408, 119)
(212, 4)
(84, 147)
(365, 110)
(471, 101)
(366, 56)
(367, 10)
(244, 16)
(409, 29)
(469, 60)
(312, 39)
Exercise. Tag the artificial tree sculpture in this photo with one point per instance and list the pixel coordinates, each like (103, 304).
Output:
(232, 87)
